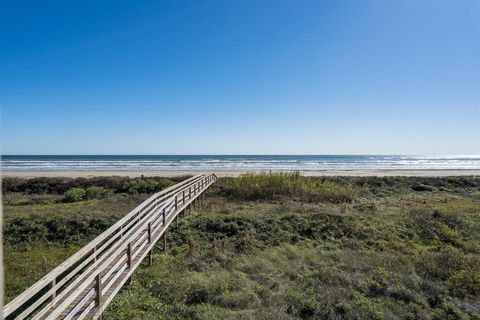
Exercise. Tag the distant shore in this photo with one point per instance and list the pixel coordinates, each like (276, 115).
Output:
(375, 172)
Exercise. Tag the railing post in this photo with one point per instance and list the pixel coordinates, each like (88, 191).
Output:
(190, 193)
(164, 218)
(149, 232)
(176, 202)
(129, 255)
(98, 290)
(52, 285)
(150, 258)
(183, 196)
(165, 241)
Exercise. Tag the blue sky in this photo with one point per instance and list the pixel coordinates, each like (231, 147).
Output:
(240, 77)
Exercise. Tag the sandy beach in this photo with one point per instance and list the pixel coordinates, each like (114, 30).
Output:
(381, 173)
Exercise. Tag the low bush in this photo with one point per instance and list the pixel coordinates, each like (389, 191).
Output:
(441, 264)
(45, 185)
(75, 194)
(97, 192)
(35, 228)
(242, 232)
(466, 281)
(437, 227)
(54, 185)
(136, 186)
(21, 199)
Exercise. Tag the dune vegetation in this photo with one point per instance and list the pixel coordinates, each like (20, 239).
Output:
(270, 246)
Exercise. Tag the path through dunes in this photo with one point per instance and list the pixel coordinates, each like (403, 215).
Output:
(83, 285)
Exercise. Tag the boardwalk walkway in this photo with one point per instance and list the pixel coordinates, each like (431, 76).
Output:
(83, 285)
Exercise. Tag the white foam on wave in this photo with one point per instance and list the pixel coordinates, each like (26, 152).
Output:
(246, 163)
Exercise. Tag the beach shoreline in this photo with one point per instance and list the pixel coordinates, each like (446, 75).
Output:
(219, 173)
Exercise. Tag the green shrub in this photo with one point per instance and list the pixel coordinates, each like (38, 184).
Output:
(242, 232)
(21, 199)
(37, 228)
(466, 281)
(449, 311)
(136, 186)
(435, 226)
(97, 192)
(59, 185)
(75, 194)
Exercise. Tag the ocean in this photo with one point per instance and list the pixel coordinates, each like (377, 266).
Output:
(234, 162)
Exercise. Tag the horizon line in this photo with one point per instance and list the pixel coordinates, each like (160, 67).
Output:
(244, 154)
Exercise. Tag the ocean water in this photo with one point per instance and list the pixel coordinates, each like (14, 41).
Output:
(233, 162)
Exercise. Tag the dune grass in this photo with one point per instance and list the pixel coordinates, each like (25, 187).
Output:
(281, 246)
(267, 186)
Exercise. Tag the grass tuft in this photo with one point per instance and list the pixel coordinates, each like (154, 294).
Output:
(261, 186)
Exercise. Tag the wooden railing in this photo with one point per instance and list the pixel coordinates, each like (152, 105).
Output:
(83, 285)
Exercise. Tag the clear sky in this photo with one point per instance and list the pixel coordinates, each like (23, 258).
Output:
(240, 77)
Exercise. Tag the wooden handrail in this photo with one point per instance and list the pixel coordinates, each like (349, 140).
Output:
(72, 277)
(52, 275)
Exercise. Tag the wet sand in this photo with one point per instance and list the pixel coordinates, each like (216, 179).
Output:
(86, 174)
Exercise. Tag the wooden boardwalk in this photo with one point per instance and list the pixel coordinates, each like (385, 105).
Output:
(83, 285)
